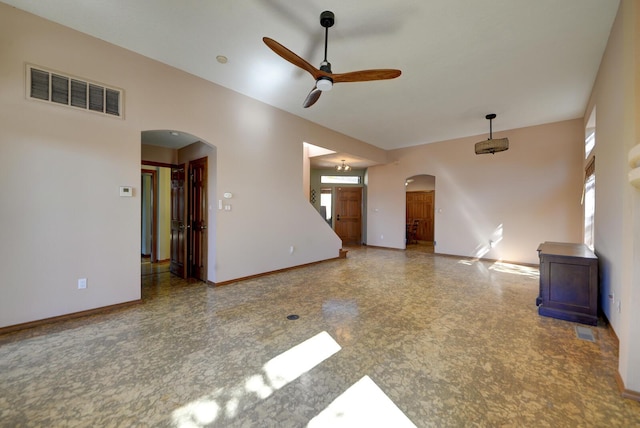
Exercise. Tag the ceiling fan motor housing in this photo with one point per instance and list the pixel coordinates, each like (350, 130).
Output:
(325, 83)
(327, 19)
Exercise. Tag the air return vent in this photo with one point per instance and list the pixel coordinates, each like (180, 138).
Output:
(57, 88)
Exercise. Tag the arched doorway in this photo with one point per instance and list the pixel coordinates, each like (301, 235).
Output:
(420, 220)
(188, 166)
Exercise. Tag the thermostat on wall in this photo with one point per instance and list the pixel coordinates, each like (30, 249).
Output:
(126, 191)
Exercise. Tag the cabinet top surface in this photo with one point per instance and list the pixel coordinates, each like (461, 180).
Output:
(566, 249)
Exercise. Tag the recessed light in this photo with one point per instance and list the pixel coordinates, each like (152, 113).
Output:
(222, 59)
(174, 133)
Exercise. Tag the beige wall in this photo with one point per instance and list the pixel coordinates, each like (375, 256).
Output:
(521, 197)
(164, 213)
(65, 167)
(617, 218)
(159, 154)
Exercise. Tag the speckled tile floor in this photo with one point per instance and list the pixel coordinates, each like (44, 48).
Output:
(383, 338)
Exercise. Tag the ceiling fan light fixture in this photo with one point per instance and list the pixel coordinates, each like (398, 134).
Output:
(324, 84)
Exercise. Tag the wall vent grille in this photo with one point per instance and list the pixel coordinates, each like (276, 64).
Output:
(47, 85)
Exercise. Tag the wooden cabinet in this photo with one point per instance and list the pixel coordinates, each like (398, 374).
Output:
(568, 282)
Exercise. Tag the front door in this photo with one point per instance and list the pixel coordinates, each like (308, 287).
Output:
(348, 223)
(178, 222)
(198, 215)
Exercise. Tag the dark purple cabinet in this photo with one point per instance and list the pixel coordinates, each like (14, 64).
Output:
(568, 282)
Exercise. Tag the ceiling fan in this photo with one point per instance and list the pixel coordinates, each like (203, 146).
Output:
(324, 77)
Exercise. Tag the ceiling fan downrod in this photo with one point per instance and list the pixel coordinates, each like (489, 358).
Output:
(325, 83)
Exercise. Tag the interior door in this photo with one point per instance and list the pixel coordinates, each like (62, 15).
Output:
(420, 207)
(178, 222)
(348, 222)
(198, 217)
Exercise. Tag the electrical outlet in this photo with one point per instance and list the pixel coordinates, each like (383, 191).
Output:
(618, 306)
(82, 283)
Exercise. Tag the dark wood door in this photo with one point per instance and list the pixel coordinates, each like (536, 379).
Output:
(178, 222)
(420, 207)
(198, 216)
(348, 224)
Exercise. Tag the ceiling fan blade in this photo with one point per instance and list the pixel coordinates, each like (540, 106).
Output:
(292, 57)
(365, 75)
(312, 97)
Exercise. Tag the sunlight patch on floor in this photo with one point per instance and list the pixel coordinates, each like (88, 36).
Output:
(503, 267)
(277, 372)
(532, 272)
(364, 404)
(298, 360)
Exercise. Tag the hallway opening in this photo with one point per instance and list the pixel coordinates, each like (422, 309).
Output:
(177, 187)
(420, 212)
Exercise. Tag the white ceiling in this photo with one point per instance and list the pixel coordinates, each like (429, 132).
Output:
(529, 61)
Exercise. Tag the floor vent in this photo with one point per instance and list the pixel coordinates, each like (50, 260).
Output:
(585, 333)
(46, 85)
